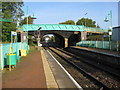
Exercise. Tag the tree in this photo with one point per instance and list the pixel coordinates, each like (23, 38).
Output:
(24, 21)
(70, 22)
(86, 22)
(10, 10)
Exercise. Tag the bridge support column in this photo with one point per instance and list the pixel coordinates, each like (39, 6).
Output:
(83, 36)
(66, 42)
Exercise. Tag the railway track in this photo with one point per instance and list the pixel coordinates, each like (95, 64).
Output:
(115, 72)
(103, 80)
(105, 59)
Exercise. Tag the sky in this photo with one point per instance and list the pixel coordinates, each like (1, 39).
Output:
(56, 12)
(119, 13)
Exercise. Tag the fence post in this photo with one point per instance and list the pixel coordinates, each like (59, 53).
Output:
(96, 44)
(103, 44)
(1, 57)
(117, 46)
(110, 45)
(90, 44)
(81, 44)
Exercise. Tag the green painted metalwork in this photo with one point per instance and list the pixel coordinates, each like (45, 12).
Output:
(5, 20)
(45, 27)
(11, 59)
(4, 49)
(63, 27)
(100, 44)
(90, 29)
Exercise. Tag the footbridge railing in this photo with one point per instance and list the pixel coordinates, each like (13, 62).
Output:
(96, 30)
(63, 27)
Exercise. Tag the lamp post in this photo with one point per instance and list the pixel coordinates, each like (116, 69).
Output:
(109, 19)
(33, 17)
(27, 30)
(85, 19)
(38, 38)
(38, 33)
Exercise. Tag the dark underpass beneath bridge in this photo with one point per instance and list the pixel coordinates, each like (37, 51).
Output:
(60, 39)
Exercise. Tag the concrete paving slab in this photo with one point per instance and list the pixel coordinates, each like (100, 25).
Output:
(60, 75)
(50, 80)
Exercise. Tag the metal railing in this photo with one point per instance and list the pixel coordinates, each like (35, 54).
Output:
(110, 45)
(90, 29)
(4, 50)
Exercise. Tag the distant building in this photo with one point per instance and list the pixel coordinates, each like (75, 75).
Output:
(116, 34)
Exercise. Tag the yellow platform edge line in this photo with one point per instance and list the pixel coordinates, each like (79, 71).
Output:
(50, 79)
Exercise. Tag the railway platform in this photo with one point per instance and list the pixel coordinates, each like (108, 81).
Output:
(29, 73)
(38, 70)
(108, 52)
(63, 78)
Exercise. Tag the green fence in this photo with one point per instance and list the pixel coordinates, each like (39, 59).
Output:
(4, 49)
(111, 45)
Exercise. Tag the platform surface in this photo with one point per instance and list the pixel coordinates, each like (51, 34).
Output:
(29, 73)
(62, 79)
(108, 52)
(37, 70)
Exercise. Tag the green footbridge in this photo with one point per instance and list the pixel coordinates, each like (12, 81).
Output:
(60, 27)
